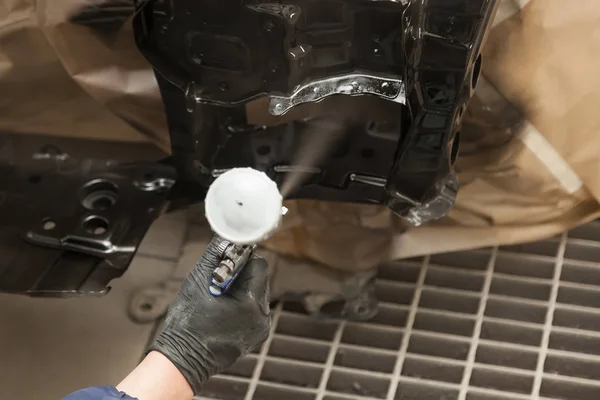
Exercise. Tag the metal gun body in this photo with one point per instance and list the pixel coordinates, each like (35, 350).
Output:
(234, 258)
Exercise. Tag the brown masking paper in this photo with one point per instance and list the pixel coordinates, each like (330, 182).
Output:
(71, 68)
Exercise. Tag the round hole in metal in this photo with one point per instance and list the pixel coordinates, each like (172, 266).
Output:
(95, 225)
(48, 224)
(99, 195)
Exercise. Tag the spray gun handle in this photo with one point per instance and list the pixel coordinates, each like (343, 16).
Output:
(233, 259)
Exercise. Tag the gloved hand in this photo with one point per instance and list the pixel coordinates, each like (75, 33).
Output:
(203, 335)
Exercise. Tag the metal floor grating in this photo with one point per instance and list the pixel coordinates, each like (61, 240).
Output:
(515, 322)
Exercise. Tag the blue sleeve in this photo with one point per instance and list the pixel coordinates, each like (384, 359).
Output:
(98, 393)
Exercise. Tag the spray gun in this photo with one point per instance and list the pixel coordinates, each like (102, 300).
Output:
(243, 207)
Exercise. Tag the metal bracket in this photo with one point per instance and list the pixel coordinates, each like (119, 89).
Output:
(368, 180)
(289, 12)
(354, 84)
(69, 226)
(435, 208)
(79, 243)
(97, 231)
(152, 185)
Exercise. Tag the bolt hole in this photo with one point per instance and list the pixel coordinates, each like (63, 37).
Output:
(95, 225)
(367, 153)
(99, 195)
(35, 179)
(48, 224)
(146, 307)
(102, 203)
(455, 148)
(476, 72)
(263, 150)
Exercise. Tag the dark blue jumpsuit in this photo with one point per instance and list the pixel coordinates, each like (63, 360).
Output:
(98, 393)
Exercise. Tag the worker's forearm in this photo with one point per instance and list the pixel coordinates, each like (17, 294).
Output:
(156, 378)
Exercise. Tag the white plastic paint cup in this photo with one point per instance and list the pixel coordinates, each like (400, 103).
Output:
(243, 206)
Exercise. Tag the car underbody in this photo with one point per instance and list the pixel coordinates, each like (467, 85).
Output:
(362, 100)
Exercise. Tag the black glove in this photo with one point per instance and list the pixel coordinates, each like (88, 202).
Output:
(203, 335)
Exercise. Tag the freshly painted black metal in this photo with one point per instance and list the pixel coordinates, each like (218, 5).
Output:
(442, 43)
(213, 56)
(49, 241)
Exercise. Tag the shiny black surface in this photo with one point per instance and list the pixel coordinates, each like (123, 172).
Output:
(235, 50)
(443, 42)
(212, 57)
(49, 242)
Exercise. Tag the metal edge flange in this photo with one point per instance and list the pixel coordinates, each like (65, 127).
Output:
(353, 85)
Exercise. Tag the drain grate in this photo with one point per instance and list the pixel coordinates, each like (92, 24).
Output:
(514, 322)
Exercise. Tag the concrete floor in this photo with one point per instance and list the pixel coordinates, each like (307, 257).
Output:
(51, 347)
